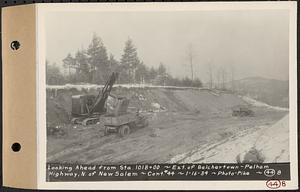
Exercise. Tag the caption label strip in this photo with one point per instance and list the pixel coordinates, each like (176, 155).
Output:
(79, 172)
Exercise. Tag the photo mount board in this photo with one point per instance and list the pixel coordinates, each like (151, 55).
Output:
(22, 96)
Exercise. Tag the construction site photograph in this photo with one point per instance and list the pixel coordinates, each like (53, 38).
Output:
(178, 87)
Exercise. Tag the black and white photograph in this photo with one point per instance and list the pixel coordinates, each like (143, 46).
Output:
(178, 88)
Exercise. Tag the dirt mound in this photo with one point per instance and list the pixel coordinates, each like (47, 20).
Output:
(59, 103)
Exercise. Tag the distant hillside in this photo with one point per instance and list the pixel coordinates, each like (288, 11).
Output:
(271, 91)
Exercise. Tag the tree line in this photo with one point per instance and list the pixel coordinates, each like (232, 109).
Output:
(94, 65)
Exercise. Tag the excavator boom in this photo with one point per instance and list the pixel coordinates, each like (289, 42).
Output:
(99, 104)
(86, 109)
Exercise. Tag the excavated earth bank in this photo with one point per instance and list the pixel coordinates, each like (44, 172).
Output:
(186, 126)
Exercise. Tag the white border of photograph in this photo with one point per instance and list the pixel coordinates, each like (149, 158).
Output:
(163, 185)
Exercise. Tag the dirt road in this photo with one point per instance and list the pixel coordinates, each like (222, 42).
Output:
(168, 135)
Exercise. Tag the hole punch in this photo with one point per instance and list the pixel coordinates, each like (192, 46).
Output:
(15, 45)
(16, 147)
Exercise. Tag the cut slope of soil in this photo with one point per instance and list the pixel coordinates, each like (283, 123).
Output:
(271, 143)
(185, 126)
(147, 100)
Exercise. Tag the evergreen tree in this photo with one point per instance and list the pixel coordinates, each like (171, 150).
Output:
(129, 62)
(197, 83)
(83, 70)
(162, 74)
(94, 66)
(53, 74)
(98, 60)
(142, 73)
(152, 74)
(161, 69)
(69, 63)
(187, 82)
(113, 64)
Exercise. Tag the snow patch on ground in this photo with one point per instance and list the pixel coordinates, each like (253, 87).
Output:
(94, 86)
(71, 86)
(272, 142)
(142, 98)
(155, 105)
(215, 93)
(256, 103)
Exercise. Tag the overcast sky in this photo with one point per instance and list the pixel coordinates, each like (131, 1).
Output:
(254, 43)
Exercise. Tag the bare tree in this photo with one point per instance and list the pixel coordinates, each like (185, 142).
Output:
(232, 77)
(191, 57)
(224, 77)
(210, 74)
(219, 77)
